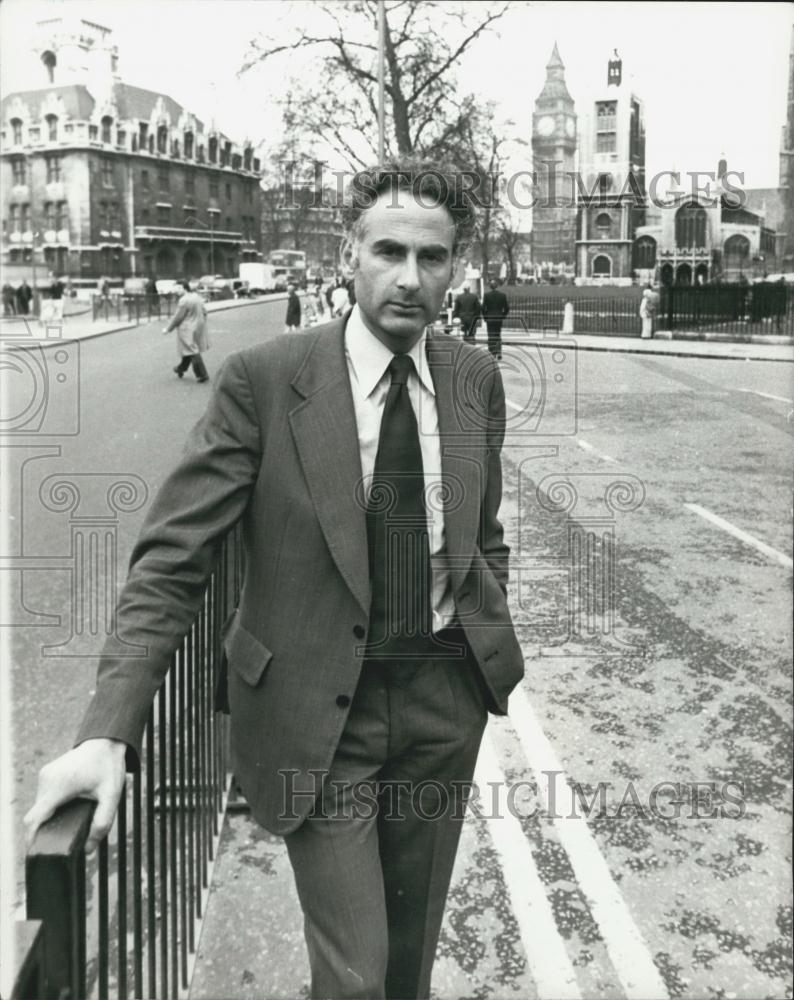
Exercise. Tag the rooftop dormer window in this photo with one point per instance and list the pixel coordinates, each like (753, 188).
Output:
(52, 127)
(16, 131)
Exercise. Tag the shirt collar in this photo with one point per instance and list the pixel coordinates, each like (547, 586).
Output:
(370, 358)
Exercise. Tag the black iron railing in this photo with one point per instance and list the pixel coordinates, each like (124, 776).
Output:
(617, 316)
(126, 924)
(133, 308)
(761, 308)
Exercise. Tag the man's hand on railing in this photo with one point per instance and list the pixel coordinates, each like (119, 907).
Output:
(93, 770)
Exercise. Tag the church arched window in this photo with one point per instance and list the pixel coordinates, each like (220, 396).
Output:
(737, 252)
(690, 226)
(645, 253)
(602, 266)
(603, 225)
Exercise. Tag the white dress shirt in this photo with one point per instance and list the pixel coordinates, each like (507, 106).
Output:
(367, 364)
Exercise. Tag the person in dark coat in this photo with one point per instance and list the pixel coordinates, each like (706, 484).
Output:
(292, 323)
(9, 300)
(24, 295)
(468, 311)
(494, 309)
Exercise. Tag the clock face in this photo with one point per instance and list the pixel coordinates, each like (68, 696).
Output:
(546, 125)
(570, 128)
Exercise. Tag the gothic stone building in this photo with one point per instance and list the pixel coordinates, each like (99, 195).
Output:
(100, 178)
(612, 178)
(553, 152)
(711, 237)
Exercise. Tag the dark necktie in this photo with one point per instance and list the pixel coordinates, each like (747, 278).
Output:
(399, 550)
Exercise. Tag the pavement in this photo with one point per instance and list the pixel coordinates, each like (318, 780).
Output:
(682, 344)
(79, 325)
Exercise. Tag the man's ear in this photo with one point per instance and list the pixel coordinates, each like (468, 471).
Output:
(348, 253)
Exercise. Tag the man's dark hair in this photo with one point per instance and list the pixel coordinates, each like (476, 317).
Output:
(431, 184)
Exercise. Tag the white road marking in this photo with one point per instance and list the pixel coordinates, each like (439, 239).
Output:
(514, 406)
(767, 395)
(547, 956)
(625, 944)
(586, 446)
(743, 536)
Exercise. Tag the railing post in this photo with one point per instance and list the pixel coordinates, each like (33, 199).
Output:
(29, 960)
(55, 890)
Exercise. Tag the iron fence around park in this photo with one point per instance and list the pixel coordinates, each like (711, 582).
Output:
(126, 924)
(735, 310)
(616, 316)
(133, 308)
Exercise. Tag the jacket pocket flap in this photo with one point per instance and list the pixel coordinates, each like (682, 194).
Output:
(246, 654)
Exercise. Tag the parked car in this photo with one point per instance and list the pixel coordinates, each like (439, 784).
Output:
(213, 287)
(169, 286)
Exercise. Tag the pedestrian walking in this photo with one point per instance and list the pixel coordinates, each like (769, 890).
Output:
(52, 306)
(495, 308)
(292, 321)
(24, 295)
(9, 300)
(190, 323)
(468, 310)
(371, 638)
(649, 306)
(340, 300)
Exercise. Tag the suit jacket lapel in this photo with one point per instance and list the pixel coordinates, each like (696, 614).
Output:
(461, 454)
(326, 437)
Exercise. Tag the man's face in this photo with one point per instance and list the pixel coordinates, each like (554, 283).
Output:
(403, 267)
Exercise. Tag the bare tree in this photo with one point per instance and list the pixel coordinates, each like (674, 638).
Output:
(512, 240)
(424, 43)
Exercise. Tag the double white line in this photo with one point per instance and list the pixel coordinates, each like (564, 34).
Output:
(548, 959)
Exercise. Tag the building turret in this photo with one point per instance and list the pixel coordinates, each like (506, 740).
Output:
(615, 70)
(554, 149)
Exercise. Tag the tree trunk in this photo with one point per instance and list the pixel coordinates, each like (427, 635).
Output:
(400, 117)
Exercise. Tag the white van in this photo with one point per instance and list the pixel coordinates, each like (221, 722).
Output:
(261, 278)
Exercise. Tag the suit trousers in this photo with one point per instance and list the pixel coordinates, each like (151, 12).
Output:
(495, 338)
(199, 368)
(374, 858)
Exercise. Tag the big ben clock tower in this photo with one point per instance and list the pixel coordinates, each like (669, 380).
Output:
(553, 150)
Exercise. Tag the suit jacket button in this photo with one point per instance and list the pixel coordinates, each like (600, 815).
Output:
(359, 631)
(342, 700)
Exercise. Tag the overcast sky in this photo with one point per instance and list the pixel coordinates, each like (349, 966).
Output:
(713, 76)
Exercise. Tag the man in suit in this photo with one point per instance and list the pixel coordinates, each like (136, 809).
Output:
(495, 309)
(468, 311)
(372, 634)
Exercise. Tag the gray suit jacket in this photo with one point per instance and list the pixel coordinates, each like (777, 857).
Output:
(278, 448)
